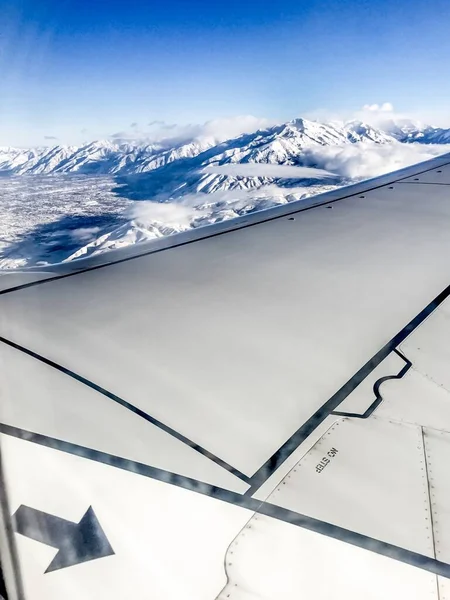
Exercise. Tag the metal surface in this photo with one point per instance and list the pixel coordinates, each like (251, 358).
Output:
(48, 402)
(175, 387)
(439, 176)
(245, 310)
(365, 476)
(364, 399)
(428, 347)
(269, 561)
(416, 400)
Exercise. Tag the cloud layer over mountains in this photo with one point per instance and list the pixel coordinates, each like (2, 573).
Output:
(108, 194)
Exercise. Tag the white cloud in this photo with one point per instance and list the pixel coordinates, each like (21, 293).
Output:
(218, 130)
(266, 170)
(385, 107)
(190, 208)
(201, 199)
(84, 233)
(363, 160)
(381, 115)
(227, 128)
(385, 117)
(169, 214)
(377, 114)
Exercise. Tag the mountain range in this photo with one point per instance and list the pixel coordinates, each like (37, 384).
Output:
(281, 144)
(199, 181)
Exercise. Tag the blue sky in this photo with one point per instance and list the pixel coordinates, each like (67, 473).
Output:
(77, 70)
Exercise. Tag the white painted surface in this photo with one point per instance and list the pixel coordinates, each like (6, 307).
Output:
(444, 588)
(437, 445)
(415, 399)
(428, 346)
(38, 398)
(281, 314)
(375, 484)
(440, 175)
(269, 485)
(276, 561)
(13, 279)
(234, 341)
(364, 396)
(168, 542)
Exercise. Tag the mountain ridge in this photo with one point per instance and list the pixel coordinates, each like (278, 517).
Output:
(279, 144)
(87, 199)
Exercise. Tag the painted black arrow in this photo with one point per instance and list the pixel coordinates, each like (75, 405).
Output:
(76, 542)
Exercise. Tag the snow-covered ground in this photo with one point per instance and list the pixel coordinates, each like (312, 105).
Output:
(44, 218)
(63, 203)
(48, 219)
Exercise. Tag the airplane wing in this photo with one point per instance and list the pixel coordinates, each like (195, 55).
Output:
(259, 409)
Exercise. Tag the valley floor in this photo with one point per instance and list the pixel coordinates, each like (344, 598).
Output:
(46, 219)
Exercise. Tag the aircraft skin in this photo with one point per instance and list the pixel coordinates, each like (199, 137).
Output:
(258, 409)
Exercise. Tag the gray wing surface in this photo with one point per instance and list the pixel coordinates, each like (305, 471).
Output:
(257, 409)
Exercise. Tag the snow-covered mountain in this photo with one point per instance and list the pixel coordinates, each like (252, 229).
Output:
(409, 131)
(427, 135)
(92, 200)
(282, 144)
(100, 157)
(173, 169)
(151, 220)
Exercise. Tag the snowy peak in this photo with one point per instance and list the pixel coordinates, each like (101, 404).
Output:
(283, 144)
(427, 135)
(358, 131)
(188, 184)
(98, 157)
